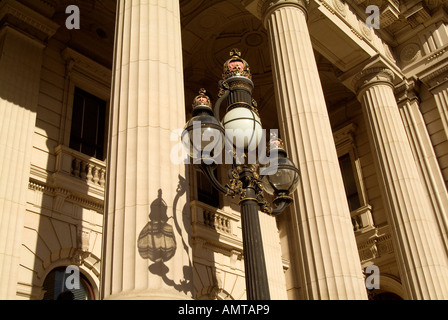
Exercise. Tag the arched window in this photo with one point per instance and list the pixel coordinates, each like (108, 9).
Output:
(55, 286)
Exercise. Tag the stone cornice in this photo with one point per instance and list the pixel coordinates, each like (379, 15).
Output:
(45, 7)
(63, 194)
(87, 66)
(12, 8)
(436, 77)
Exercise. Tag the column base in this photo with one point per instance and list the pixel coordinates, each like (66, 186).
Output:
(149, 295)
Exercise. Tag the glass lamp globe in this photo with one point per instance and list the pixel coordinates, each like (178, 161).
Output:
(243, 126)
(203, 134)
(283, 179)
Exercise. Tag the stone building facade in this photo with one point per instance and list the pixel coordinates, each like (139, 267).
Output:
(88, 118)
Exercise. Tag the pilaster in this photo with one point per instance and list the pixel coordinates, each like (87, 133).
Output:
(421, 255)
(328, 263)
(147, 253)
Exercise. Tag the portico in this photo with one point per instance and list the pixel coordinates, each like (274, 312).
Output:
(363, 112)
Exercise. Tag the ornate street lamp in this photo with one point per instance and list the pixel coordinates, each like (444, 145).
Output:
(240, 133)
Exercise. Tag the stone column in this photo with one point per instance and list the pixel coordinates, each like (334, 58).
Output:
(147, 252)
(421, 255)
(426, 160)
(20, 69)
(437, 83)
(440, 93)
(329, 263)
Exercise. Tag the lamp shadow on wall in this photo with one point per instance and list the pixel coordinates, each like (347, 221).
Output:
(157, 240)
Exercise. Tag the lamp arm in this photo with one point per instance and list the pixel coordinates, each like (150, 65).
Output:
(281, 202)
(223, 94)
(280, 208)
(207, 170)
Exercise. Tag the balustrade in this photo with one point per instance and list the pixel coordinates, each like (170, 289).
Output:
(75, 170)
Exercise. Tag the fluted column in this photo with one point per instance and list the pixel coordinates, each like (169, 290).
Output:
(421, 255)
(147, 252)
(426, 160)
(441, 97)
(329, 263)
(20, 70)
(20, 66)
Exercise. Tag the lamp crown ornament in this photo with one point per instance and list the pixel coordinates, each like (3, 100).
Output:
(275, 143)
(202, 99)
(236, 66)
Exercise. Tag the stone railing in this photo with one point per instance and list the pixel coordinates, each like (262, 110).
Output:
(375, 245)
(216, 221)
(88, 171)
(216, 226)
(362, 218)
(80, 172)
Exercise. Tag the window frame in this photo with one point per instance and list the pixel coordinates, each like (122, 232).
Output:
(345, 144)
(91, 77)
(102, 143)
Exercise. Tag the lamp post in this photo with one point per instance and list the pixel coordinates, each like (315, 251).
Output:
(239, 134)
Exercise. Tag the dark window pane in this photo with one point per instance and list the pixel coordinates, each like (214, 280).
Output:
(206, 192)
(88, 124)
(77, 116)
(351, 190)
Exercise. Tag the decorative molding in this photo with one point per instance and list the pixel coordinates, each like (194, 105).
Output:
(328, 6)
(436, 77)
(436, 54)
(418, 14)
(365, 30)
(66, 194)
(410, 53)
(24, 14)
(356, 33)
(389, 52)
(375, 246)
(340, 7)
(86, 66)
(345, 135)
(371, 76)
(406, 91)
(390, 12)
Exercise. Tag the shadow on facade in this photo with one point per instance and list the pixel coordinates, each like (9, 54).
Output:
(157, 240)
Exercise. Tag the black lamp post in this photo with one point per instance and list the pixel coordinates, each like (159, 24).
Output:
(241, 130)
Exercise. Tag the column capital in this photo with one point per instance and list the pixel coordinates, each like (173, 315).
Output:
(266, 7)
(407, 91)
(372, 76)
